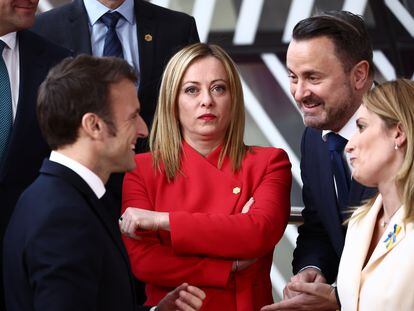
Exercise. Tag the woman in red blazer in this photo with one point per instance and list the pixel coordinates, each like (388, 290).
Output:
(208, 208)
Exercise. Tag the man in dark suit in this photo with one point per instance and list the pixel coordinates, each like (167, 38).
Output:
(62, 249)
(149, 36)
(330, 67)
(26, 59)
(159, 32)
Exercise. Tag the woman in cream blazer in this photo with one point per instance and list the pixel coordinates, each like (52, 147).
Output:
(376, 271)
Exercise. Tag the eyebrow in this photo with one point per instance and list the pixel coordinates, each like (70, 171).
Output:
(196, 82)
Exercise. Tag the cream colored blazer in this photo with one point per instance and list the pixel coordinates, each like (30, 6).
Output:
(387, 281)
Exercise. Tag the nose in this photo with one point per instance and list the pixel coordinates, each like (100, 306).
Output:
(300, 90)
(206, 99)
(349, 147)
(142, 129)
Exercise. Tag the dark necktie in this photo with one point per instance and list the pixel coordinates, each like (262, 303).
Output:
(6, 109)
(113, 46)
(336, 145)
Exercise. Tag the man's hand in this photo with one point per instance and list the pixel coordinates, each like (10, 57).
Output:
(312, 296)
(308, 275)
(184, 298)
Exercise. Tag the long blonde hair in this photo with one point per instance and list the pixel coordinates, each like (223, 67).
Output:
(393, 102)
(166, 138)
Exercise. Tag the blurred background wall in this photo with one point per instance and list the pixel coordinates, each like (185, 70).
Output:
(256, 34)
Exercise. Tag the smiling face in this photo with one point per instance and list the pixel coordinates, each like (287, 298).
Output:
(16, 15)
(372, 150)
(129, 126)
(321, 88)
(204, 101)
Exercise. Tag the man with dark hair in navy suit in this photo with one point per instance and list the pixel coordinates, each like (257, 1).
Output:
(147, 36)
(25, 59)
(62, 249)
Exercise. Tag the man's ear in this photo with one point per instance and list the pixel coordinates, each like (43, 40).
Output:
(92, 125)
(360, 75)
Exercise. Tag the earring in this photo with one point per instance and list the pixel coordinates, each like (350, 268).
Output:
(396, 146)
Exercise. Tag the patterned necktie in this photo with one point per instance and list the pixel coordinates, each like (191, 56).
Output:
(113, 46)
(336, 145)
(6, 109)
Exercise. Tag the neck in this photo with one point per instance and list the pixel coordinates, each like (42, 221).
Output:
(82, 154)
(111, 4)
(391, 199)
(204, 146)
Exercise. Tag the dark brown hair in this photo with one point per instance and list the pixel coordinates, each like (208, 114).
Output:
(74, 87)
(347, 32)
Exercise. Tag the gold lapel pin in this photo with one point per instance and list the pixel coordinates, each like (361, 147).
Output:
(148, 37)
(236, 190)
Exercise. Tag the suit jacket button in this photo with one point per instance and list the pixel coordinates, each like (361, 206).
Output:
(148, 37)
(236, 190)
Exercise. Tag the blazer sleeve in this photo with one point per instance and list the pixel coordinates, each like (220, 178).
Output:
(244, 236)
(153, 261)
(313, 245)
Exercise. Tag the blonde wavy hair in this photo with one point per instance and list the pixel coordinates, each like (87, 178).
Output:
(166, 139)
(393, 102)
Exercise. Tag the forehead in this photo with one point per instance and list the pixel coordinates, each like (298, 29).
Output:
(315, 54)
(366, 114)
(206, 68)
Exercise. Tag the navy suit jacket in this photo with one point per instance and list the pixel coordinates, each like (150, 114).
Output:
(26, 148)
(62, 251)
(170, 30)
(322, 235)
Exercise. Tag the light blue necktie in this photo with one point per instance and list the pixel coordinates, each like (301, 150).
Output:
(113, 46)
(6, 109)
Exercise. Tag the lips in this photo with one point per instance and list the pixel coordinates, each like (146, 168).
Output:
(207, 117)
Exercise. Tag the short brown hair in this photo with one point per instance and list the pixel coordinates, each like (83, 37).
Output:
(347, 32)
(74, 87)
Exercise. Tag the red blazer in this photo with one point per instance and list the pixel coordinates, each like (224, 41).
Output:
(208, 231)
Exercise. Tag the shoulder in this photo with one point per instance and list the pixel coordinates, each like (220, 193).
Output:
(167, 15)
(32, 42)
(256, 152)
(57, 13)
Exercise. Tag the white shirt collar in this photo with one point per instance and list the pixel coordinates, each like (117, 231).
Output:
(96, 9)
(10, 39)
(347, 131)
(93, 181)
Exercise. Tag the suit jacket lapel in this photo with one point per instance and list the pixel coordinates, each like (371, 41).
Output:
(147, 36)
(32, 66)
(74, 179)
(79, 28)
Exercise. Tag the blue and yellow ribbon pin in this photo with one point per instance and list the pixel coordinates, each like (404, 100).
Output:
(392, 237)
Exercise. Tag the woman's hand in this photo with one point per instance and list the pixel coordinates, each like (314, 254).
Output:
(134, 219)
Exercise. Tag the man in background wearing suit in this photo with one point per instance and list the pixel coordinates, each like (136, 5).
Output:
(148, 36)
(62, 249)
(330, 67)
(142, 33)
(25, 59)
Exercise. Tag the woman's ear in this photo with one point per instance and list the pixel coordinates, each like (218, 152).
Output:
(400, 136)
